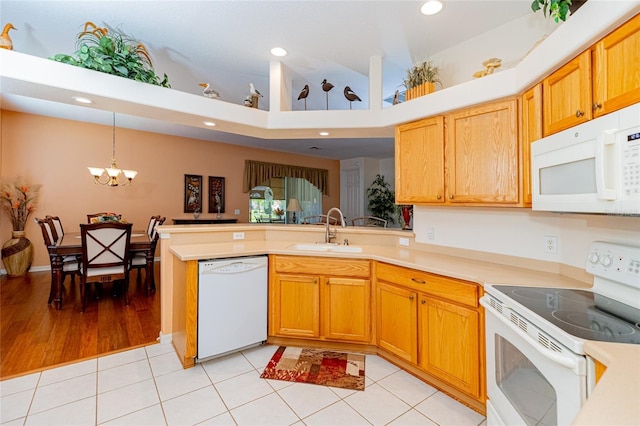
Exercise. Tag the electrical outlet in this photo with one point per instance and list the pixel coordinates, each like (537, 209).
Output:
(431, 233)
(404, 242)
(237, 212)
(550, 244)
(238, 235)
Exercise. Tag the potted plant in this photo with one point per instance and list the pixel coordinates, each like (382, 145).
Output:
(557, 9)
(381, 199)
(421, 79)
(113, 52)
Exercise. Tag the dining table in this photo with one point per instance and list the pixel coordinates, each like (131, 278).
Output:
(71, 245)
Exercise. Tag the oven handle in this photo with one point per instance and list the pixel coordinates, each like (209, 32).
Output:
(553, 356)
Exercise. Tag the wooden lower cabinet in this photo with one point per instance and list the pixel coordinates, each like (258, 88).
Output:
(296, 305)
(449, 343)
(396, 316)
(436, 324)
(320, 298)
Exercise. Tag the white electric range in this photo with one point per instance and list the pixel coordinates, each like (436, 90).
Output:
(537, 372)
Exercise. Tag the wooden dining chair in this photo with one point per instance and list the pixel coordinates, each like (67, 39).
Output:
(369, 221)
(139, 259)
(94, 217)
(320, 219)
(70, 264)
(56, 226)
(105, 255)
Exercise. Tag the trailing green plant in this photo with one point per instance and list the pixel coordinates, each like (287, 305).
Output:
(113, 52)
(421, 73)
(557, 9)
(382, 199)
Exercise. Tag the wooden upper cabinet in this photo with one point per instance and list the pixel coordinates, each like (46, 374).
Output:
(419, 157)
(567, 95)
(481, 157)
(616, 63)
(531, 131)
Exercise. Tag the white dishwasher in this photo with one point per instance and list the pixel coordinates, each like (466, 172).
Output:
(232, 305)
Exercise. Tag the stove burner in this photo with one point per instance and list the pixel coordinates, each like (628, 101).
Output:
(531, 293)
(592, 321)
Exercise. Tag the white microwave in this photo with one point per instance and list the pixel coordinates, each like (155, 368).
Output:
(590, 168)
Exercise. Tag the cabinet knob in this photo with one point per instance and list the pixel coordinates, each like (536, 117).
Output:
(451, 197)
(596, 106)
(438, 197)
(579, 113)
(423, 301)
(411, 297)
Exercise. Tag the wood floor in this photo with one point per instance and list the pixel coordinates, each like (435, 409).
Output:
(34, 336)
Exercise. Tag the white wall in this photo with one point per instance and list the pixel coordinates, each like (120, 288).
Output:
(510, 42)
(521, 232)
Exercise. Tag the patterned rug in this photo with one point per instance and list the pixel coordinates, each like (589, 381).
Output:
(317, 366)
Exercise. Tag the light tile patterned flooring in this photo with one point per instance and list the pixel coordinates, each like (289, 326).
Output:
(147, 386)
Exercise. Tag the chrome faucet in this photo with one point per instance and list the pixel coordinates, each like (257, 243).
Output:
(328, 234)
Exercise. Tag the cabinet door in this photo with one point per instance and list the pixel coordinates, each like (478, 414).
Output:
(566, 95)
(346, 309)
(617, 69)
(295, 305)
(531, 132)
(419, 157)
(397, 321)
(482, 155)
(449, 343)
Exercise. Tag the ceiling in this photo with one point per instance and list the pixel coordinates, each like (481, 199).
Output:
(227, 44)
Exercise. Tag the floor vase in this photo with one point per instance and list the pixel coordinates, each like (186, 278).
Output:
(17, 254)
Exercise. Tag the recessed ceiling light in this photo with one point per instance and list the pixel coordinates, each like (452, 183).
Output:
(324, 133)
(431, 7)
(209, 123)
(278, 51)
(82, 100)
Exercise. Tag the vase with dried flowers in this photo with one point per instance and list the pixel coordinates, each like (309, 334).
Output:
(421, 79)
(18, 199)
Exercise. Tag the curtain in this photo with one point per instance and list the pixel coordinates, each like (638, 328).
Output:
(257, 172)
(309, 197)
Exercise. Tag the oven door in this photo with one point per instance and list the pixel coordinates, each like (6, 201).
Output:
(527, 383)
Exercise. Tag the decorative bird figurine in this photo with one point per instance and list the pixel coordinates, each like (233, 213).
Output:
(5, 40)
(326, 86)
(396, 98)
(208, 91)
(351, 95)
(254, 91)
(304, 94)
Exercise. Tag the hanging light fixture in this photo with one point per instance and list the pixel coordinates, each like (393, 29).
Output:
(113, 173)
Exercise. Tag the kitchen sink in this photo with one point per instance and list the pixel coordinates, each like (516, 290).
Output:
(327, 247)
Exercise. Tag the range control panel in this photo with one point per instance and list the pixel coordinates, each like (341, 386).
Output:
(615, 262)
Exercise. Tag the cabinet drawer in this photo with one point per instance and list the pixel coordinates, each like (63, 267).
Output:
(322, 266)
(458, 291)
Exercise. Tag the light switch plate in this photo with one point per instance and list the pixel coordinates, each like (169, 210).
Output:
(404, 242)
(238, 235)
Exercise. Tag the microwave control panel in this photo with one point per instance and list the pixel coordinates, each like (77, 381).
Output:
(631, 162)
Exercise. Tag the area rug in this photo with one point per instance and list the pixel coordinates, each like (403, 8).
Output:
(316, 366)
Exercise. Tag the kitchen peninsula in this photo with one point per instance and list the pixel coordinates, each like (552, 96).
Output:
(183, 246)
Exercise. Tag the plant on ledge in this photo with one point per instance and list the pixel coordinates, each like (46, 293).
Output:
(381, 199)
(113, 52)
(557, 9)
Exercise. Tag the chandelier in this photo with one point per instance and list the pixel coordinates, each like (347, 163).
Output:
(113, 173)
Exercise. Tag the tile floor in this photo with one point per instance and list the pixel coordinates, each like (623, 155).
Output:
(147, 386)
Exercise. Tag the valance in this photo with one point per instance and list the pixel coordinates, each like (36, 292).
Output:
(257, 173)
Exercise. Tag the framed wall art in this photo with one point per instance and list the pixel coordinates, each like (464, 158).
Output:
(192, 193)
(216, 194)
